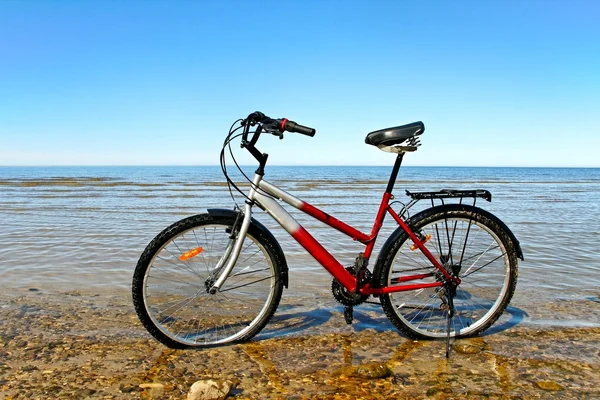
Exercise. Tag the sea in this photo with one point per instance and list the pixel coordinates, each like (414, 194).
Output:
(66, 229)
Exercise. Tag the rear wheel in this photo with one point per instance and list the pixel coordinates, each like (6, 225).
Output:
(470, 244)
(174, 274)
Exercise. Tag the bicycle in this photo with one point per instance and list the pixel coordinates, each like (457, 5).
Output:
(217, 278)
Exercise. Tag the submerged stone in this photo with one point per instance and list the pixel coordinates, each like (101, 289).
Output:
(549, 385)
(470, 347)
(372, 370)
(210, 390)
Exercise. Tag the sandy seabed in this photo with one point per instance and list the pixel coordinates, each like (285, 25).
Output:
(80, 346)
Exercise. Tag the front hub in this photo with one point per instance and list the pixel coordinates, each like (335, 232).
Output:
(208, 283)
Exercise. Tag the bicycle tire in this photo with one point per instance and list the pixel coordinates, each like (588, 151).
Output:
(487, 266)
(170, 295)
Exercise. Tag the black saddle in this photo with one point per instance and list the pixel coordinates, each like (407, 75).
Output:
(396, 135)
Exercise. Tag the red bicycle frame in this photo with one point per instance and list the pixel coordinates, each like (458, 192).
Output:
(329, 262)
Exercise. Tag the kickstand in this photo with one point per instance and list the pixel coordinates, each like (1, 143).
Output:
(348, 314)
(448, 318)
(449, 315)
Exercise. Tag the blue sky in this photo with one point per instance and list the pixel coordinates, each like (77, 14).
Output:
(506, 83)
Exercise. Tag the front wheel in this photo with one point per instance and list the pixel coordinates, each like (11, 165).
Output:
(471, 244)
(175, 272)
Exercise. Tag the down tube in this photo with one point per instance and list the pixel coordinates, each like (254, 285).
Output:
(306, 240)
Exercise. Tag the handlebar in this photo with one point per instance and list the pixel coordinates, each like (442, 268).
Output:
(292, 126)
(273, 126)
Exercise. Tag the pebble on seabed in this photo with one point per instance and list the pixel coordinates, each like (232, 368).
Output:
(210, 390)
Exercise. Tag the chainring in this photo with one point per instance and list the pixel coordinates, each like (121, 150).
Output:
(346, 298)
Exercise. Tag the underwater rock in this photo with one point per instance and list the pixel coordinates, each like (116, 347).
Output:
(372, 370)
(210, 390)
(549, 385)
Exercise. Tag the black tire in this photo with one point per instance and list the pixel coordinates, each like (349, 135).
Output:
(171, 296)
(481, 253)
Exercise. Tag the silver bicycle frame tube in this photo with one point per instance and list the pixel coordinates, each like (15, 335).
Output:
(272, 207)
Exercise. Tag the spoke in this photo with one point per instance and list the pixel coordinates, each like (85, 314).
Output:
(231, 315)
(183, 264)
(423, 261)
(202, 254)
(434, 242)
(251, 255)
(480, 253)
(478, 258)
(213, 240)
(192, 261)
(176, 281)
(473, 239)
(174, 302)
(457, 315)
(181, 312)
(250, 272)
(187, 299)
(414, 307)
(467, 273)
(246, 284)
(437, 233)
(482, 279)
(449, 243)
(451, 240)
(462, 254)
(190, 323)
(249, 266)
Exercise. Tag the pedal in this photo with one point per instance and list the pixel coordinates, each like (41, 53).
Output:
(348, 314)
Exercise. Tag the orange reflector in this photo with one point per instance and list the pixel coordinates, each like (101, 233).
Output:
(189, 254)
(414, 246)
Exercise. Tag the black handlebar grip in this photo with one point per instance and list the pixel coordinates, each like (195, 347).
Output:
(291, 126)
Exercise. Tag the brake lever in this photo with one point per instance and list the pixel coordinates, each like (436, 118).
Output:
(247, 122)
(272, 127)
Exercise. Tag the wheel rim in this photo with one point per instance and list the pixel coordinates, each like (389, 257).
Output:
(484, 272)
(176, 294)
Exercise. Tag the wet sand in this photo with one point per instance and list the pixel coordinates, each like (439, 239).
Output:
(78, 346)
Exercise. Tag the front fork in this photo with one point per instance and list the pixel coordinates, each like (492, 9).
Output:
(232, 253)
(234, 248)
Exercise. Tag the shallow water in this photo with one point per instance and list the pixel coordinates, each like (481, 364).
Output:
(69, 346)
(83, 228)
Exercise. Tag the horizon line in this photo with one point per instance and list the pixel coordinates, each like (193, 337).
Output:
(285, 165)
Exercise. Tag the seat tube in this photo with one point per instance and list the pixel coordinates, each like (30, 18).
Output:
(394, 174)
(239, 242)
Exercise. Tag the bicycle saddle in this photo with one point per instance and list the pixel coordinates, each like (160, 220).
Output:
(394, 136)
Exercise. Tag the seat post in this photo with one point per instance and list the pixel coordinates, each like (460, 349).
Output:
(394, 174)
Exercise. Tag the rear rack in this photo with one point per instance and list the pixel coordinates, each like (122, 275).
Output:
(444, 194)
(448, 194)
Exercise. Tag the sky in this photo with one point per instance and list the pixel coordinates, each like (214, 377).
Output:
(496, 83)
